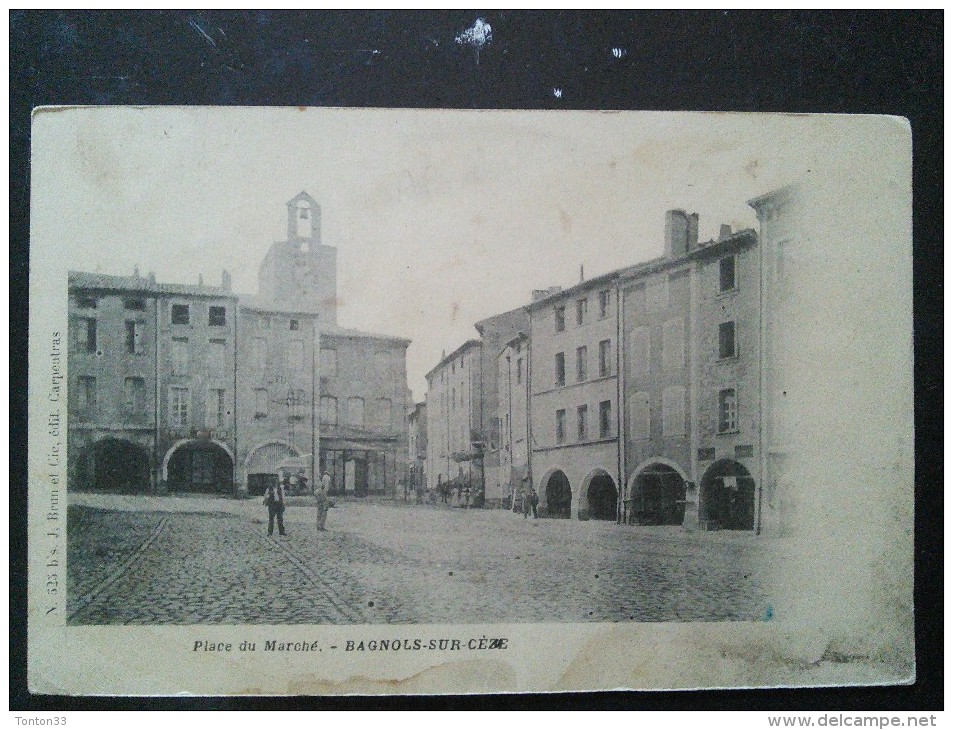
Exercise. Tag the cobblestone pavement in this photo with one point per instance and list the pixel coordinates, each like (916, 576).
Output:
(179, 561)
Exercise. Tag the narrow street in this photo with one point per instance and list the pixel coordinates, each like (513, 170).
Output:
(184, 560)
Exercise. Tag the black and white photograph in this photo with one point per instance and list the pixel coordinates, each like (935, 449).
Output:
(524, 394)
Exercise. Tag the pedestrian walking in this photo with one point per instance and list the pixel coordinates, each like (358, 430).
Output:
(275, 501)
(526, 504)
(534, 502)
(321, 491)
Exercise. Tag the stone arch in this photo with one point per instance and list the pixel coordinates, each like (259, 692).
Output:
(658, 493)
(113, 464)
(261, 464)
(556, 493)
(599, 496)
(728, 496)
(209, 470)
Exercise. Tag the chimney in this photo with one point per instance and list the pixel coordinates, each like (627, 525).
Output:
(226, 280)
(582, 274)
(152, 277)
(693, 231)
(724, 232)
(543, 293)
(676, 233)
(200, 279)
(135, 271)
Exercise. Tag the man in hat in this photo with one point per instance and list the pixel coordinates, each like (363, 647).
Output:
(275, 501)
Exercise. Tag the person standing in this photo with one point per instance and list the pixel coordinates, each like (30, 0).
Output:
(527, 503)
(321, 491)
(534, 502)
(275, 501)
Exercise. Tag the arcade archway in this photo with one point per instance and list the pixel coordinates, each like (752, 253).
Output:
(658, 496)
(199, 466)
(115, 465)
(558, 496)
(601, 496)
(262, 464)
(727, 492)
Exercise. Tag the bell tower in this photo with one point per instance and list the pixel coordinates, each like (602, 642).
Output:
(301, 270)
(304, 220)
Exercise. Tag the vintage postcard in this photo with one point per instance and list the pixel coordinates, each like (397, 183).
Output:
(375, 401)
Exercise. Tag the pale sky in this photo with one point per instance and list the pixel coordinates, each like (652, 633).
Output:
(441, 218)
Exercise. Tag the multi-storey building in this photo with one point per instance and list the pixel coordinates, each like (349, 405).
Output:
(194, 388)
(573, 398)
(690, 366)
(512, 475)
(463, 394)
(153, 384)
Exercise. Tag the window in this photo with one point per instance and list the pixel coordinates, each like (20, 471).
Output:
(216, 316)
(329, 410)
(133, 332)
(560, 426)
(85, 394)
(180, 356)
(560, 318)
(293, 325)
(355, 411)
(605, 419)
(673, 411)
(673, 344)
(180, 314)
(138, 305)
(727, 411)
(216, 408)
(641, 351)
(453, 397)
(178, 407)
(560, 369)
(605, 358)
(605, 300)
(261, 402)
(85, 301)
(295, 356)
(259, 353)
(582, 362)
(581, 307)
(519, 370)
(134, 396)
(582, 426)
(384, 413)
(85, 335)
(678, 288)
(217, 359)
(641, 425)
(726, 340)
(726, 274)
(329, 363)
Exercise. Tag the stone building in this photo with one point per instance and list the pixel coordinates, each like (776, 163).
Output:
(194, 388)
(463, 395)
(690, 365)
(152, 384)
(573, 399)
(512, 476)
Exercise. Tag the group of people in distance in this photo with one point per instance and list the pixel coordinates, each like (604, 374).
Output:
(275, 501)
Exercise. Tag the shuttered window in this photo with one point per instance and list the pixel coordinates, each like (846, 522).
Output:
(641, 351)
(673, 344)
(640, 425)
(673, 411)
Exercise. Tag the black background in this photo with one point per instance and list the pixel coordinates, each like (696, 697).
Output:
(845, 62)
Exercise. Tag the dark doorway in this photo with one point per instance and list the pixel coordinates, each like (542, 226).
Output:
(200, 466)
(728, 496)
(258, 483)
(116, 465)
(659, 496)
(602, 497)
(558, 496)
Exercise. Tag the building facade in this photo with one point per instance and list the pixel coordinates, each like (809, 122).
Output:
(417, 449)
(573, 399)
(513, 475)
(152, 384)
(194, 388)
